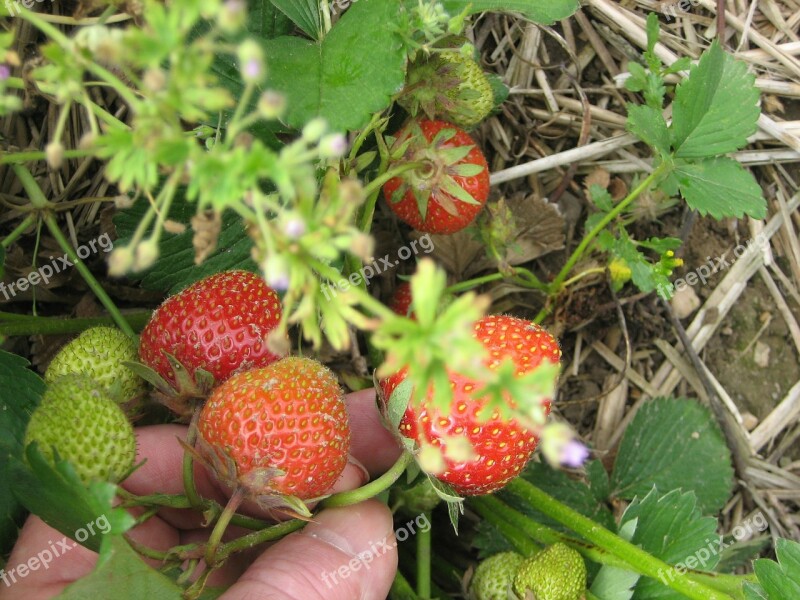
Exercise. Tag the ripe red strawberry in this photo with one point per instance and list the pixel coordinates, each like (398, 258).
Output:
(449, 189)
(401, 299)
(501, 448)
(219, 324)
(277, 432)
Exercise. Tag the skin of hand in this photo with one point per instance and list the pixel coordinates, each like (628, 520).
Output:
(344, 553)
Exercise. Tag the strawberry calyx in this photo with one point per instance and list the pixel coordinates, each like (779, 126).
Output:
(254, 485)
(188, 390)
(448, 85)
(439, 164)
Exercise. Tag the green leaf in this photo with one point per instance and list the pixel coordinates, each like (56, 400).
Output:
(121, 573)
(347, 77)
(638, 79)
(674, 443)
(598, 480)
(721, 187)
(489, 540)
(2, 261)
(739, 554)
(716, 108)
(648, 124)
(781, 579)
(20, 392)
(544, 13)
(645, 275)
(455, 503)
(57, 496)
(264, 22)
(303, 13)
(175, 268)
(616, 583)
(574, 494)
(671, 528)
(398, 403)
(753, 591)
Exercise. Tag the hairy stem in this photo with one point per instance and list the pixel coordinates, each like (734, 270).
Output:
(424, 539)
(371, 489)
(13, 324)
(578, 253)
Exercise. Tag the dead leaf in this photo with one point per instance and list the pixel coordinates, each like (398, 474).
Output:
(539, 230)
(598, 176)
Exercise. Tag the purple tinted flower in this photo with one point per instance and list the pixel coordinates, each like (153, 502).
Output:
(294, 227)
(5, 72)
(235, 6)
(252, 69)
(574, 454)
(333, 145)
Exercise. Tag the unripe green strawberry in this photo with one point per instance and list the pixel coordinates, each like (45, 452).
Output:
(99, 353)
(82, 422)
(556, 573)
(493, 577)
(448, 86)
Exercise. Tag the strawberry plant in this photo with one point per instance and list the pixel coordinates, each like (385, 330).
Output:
(251, 160)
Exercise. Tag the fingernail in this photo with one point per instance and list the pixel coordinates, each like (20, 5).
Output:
(361, 468)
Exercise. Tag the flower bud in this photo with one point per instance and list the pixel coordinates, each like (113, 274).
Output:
(54, 151)
(276, 273)
(314, 130)
(272, 105)
(294, 226)
(146, 255)
(232, 16)
(333, 145)
(120, 261)
(251, 57)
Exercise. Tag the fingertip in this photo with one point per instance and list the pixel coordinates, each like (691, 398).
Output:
(344, 553)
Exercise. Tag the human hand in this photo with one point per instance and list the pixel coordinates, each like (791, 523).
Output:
(294, 567)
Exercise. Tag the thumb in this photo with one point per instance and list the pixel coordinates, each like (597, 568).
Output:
(345, 553)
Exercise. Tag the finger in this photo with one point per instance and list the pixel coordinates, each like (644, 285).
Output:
(44, 561)
(371, 443)
(60, 561)
(344, 553)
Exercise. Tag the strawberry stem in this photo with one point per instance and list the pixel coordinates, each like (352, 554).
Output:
(424, 539)
(373, 488)
(268, 534)
(212, 559)
(18, 231)
(558, 283)
(39, 202)
(15, 324)
(637, 559)
(530, 281)
(188, 464)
